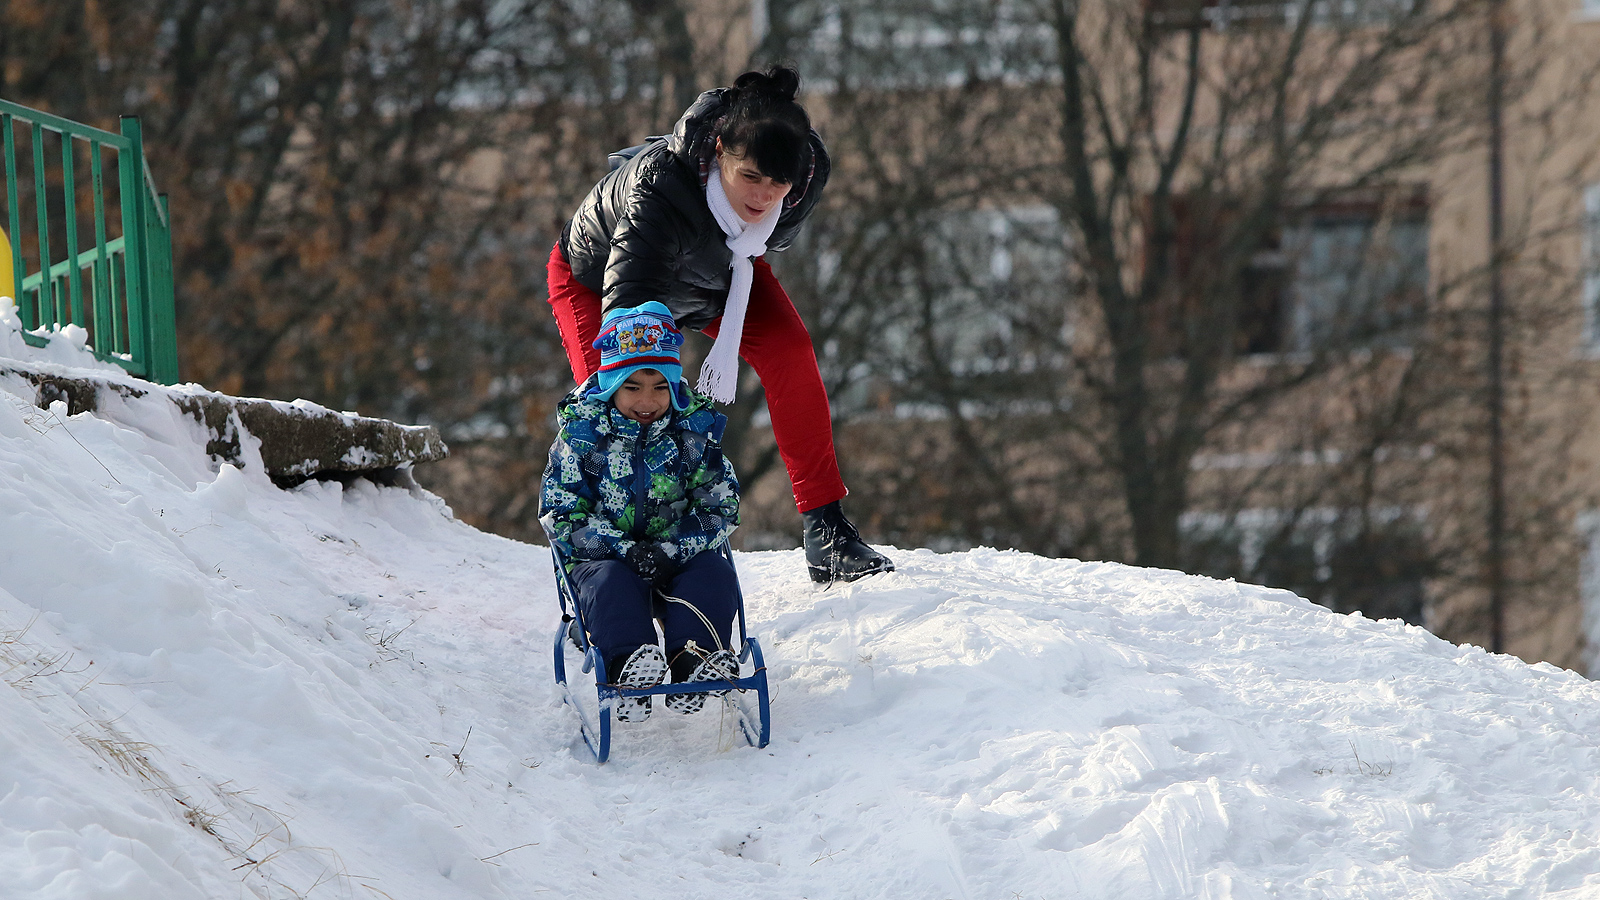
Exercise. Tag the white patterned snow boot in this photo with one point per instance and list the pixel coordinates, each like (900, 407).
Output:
(645, 668)
(694, 664)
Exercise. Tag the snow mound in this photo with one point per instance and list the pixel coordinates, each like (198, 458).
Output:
(218, 689)
(65, 352)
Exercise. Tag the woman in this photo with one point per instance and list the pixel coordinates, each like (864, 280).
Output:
(686, 221)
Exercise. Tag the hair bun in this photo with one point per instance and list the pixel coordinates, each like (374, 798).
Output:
(765, 124)
(779, 83)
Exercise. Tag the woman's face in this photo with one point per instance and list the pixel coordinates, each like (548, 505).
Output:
(751, 193)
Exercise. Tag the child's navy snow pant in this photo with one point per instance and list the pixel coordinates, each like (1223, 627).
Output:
(620, 608)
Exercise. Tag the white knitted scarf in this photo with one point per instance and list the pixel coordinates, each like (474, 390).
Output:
(719, 374)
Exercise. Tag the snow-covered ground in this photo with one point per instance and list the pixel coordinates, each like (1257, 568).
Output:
(217, 689)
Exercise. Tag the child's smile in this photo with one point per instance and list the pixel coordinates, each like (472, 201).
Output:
(645, 397)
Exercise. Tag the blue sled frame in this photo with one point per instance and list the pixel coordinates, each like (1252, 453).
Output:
(755, 724)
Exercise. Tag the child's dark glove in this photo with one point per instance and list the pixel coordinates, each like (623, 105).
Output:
(650, 561)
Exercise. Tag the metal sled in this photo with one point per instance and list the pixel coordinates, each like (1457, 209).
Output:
(755, 723)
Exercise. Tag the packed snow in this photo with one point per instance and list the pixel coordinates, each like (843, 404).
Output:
(219, 689)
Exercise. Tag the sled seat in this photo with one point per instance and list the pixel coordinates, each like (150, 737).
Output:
(754, 717)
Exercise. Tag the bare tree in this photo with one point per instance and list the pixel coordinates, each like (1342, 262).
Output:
(1255, 343)
(1172, 133)
(365, 193)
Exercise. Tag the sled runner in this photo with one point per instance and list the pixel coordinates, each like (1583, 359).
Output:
(594, 721)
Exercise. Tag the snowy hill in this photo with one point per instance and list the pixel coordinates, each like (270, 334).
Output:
(217, 689)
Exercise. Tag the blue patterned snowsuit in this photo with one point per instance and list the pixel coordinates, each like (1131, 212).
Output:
(612, 481)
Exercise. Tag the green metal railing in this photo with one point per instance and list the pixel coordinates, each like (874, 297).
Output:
(119, 289)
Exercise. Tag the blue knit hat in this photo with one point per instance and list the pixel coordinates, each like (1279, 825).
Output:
(640, 337)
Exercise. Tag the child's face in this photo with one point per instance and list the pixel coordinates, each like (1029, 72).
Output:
(644, 397)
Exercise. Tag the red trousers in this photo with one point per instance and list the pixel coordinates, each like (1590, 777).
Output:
(775, 343)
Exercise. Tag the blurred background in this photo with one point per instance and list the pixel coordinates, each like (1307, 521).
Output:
(1298, 293)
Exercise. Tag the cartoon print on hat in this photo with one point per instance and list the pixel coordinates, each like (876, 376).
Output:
(640, 337)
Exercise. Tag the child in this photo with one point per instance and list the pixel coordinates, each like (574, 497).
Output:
(637, 496)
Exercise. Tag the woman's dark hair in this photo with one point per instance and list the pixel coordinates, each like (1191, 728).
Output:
(766, 125)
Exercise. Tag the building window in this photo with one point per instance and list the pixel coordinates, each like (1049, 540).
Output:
(987, 278)
(1589, 589)
(1218, 14)
(1347, 273)
(1378, 567)
(968, 302)
(1591, 266)
(1223, 15)
(898, 45)
(1357, 275)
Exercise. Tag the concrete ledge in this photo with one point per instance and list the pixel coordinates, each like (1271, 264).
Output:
(297, 440)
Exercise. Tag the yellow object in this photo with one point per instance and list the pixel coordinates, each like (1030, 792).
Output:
(8, 282)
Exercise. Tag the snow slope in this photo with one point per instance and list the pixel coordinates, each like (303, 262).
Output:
(216, 689)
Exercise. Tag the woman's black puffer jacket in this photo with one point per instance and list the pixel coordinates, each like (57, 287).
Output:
(645, 232)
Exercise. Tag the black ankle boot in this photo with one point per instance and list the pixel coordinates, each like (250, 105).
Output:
(835, 551)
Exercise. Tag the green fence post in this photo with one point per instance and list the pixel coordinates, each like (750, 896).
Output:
(130, 172)
(45, 306)
(69, 191)
(12, 202)
(104, 333)
(117, 272)
(163, 314)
